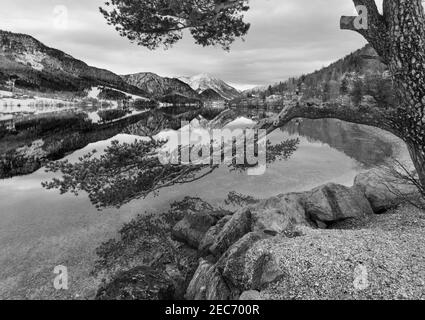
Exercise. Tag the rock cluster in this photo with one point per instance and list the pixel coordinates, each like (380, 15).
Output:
(244, 254)
(232, 265)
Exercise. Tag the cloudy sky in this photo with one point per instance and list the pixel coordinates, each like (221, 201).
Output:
(287, 38)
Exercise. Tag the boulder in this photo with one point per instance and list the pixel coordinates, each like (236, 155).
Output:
(192, 229)
(207, 284)
(278, 215)
(232, 265)
(141, 283)
(265, 270)
(382, 192)
(332, 203)
(211, 236)
(233, 230)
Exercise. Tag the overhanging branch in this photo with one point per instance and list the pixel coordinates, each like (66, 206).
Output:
(365, 115)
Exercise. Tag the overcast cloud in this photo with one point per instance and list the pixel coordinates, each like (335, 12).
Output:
(287, 38)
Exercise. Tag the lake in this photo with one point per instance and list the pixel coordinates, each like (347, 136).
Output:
(41, 229)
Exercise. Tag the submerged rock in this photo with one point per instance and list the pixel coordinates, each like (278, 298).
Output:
(141, 283)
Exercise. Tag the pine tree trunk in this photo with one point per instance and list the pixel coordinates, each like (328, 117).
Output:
(406, 30)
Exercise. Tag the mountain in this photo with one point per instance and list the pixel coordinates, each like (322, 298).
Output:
(158, 86)
(210, 95)
(204, 82)
(177, 98)
(35, 66)
(255, 90)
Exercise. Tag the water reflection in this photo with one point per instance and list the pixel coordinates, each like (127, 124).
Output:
(357, 141)
(40, 229)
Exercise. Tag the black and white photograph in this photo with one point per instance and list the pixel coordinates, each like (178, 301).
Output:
(224, 152)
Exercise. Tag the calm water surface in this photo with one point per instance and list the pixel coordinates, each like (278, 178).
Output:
(41, 229)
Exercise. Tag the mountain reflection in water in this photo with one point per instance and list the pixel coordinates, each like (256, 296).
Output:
(356, 141)
(41, 229)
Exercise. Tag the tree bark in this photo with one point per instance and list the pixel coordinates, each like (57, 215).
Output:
(406, 21)
(376, 33)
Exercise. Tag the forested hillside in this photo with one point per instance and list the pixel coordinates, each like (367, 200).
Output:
(358, 76)
(37, 67)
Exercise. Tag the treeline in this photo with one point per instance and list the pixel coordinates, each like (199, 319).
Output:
(141, 105)
(47, 125)
(110, 94)
(179, 99)
(113, 114)
(358, 75)
(376, 86)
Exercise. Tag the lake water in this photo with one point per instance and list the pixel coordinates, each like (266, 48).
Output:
(41, 229)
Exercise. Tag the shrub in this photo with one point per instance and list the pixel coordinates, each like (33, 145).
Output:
(110, 94)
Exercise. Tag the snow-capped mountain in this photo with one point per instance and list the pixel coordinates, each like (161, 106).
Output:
(256, 89)
(203, 82)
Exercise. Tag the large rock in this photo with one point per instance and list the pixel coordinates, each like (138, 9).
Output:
(245, 268)
(211, 236)
(141, 283)
(232, 265)
(233, 230)
(207, 284)
(192, 229)
(278, 215)
(332, 203)
(382, 192)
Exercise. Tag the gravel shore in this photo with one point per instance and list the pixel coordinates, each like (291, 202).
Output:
(380, 257)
